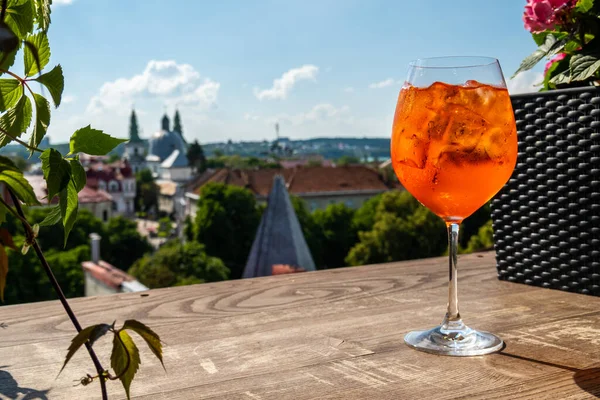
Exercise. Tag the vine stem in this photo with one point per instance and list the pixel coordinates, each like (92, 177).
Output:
(61, 296)
(17, 77)
(22, 143)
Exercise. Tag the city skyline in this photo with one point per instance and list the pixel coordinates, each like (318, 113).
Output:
(318, 69)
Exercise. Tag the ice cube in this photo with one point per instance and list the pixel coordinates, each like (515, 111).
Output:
(411, 150)
(495, 143)
(465, 128)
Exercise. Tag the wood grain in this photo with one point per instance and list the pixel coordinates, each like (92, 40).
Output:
(333, 334)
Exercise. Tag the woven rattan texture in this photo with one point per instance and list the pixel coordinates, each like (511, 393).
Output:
(547, 218)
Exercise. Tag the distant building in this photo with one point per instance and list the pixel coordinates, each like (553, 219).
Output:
(279, 246)
(135, 151)
(98, 202)
(318, 186)
(167, 154)
(103, 278)
(118, 180)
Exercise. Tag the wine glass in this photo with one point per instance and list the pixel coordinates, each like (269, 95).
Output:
(454, 145)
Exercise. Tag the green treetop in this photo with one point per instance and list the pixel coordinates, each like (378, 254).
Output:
(133, 128)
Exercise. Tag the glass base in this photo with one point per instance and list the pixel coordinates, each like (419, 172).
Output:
(454, 339)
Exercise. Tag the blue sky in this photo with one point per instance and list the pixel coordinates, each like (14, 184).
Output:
(235, 67)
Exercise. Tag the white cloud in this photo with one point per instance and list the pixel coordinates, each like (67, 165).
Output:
(349, 89)
(172, 82)
(62, 2)
(382, 84)
(282, 86)
(251, 117)
(525, 82)
(319, 113)
(66, 99)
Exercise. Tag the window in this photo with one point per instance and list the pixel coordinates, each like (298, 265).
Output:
(135, 151)
(102, 185)
(113, 186)
(105, 215)
(114, 206)
(313, 205)
(349, 203)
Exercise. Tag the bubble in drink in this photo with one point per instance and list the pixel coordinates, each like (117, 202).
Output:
(453, 146)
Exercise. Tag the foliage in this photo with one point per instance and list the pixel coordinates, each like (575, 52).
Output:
(364, 217)
(347, 160)
(23, 30)
(311, 231)
(146, 192)
(124, 244)
(196, 157)
(403, 229)
(338, 233)
(226, 221)
(566, 32)
(470, 226)
(165, 227)
(134, 131)
(177, 264)
(483, 240)
(239, 162)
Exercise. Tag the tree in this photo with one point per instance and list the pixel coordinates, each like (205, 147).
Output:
(134, 134)
(347, 160)
(338, 233)
(177, 123)
(146, 192)
(176, 264)
(123, 244)
(196, 158)
(311, 231)
(226, 221)
(470, 227)
(403, 230)
(364, 217)
(484, 240)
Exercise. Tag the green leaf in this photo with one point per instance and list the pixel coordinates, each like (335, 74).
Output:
(584, 66)
(19, 185)
(9, 59)
(92, 141)
(540, 37)
(560, 79)
(3, 271)
(16, 120)
(584, 6)
(68, 207)
(7, 164)
(91, 333)
(54, 82)
(6, 239)
(53, 217)
(550, 47)
(19, 17)
(40, 42)
(11, 92)
(42, 120)
(125, 358)
(42, 13)
(3, 212)
(78, 175)
(151, 337)
(57, 172)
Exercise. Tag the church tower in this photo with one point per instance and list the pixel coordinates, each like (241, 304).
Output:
(134, 149)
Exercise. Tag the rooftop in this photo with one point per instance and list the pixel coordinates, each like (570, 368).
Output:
(108, 274)
(301, 180)
(88, 194)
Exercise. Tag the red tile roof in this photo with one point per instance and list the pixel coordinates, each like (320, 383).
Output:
(106, 273)
(302, 180)
(89, 194)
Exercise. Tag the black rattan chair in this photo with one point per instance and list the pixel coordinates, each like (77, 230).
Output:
(547, 218)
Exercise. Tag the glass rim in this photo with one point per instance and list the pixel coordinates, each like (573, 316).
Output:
(475, 61)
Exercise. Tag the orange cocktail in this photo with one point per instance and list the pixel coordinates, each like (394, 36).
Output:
(454, 146)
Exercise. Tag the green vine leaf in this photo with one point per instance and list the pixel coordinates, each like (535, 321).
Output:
(16, 120)
(3, 271)
(68, 208)
(53, 217)
(125, 358)
(42, 13)
(584, 66)
(42, 120)
(39, 42)
(57, 172)
(152, 339)
(91, 333)
(11, 92)
(54, 82)
(7, 164)
(19, 17)
(19, 185)
(78, 175)
(92, 141)
(550, 47)
(583, 6)
(9, 58)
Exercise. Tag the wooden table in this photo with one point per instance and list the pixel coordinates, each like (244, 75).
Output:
(333, 334)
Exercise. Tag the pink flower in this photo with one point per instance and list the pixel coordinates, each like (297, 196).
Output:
(554, 59)
(541, 15)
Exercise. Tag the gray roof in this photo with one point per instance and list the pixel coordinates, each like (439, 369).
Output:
(177, 159)
(163, 143)
(279, 238)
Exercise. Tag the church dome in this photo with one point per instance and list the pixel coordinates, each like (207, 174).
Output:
(164, 142)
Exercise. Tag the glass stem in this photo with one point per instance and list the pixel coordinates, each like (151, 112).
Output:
(452, 316)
